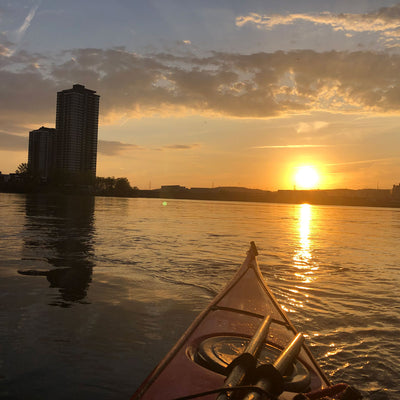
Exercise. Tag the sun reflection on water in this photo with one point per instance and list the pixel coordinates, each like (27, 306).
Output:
(302, 257)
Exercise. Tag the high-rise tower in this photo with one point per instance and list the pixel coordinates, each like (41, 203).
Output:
(41, 153)
(76, 127)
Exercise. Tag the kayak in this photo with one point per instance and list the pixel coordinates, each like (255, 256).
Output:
(242, 346)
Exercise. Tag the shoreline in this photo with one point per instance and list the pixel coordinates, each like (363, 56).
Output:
(338, 197)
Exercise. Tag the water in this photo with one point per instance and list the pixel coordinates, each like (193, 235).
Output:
(109, 285)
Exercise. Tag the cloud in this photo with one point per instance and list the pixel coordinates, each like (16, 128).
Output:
(260, 85)
(5, 46)
(293, 146)
(4, 51)
(386, 20)
(26, 98)
(22, 29)
(305, 127)
(362, 162)
(352, 166)
(10, 142)
(18, 34)
(111, 148)
(180, 146)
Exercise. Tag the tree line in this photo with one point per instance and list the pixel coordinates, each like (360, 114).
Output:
(26, 182)
(114, 187)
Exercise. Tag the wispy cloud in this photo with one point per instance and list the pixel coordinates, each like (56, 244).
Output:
(362, 162)
(386, 21)
(362, 166)
(112, 148)
(13, 142)
(20, 32)
(180, 146)
(292, 146)
(305, 127)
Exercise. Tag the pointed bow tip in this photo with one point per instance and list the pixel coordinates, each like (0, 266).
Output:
(253, 248)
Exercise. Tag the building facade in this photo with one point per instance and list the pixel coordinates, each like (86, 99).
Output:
(77, 117)
(41, 152)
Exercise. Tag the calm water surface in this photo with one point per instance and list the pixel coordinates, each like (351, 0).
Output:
(109, 284)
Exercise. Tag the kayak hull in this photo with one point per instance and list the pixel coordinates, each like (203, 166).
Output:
(197, 363)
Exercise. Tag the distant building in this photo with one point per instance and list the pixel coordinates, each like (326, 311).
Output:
(41, 152)
(76, 128)
(7, 178)
(174, 191)
(174, 188)
(396, 192)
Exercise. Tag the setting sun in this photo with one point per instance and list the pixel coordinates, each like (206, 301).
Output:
(306, 177)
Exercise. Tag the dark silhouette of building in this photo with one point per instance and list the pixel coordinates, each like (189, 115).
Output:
(41, 153)
(76, 129)
(396, 192)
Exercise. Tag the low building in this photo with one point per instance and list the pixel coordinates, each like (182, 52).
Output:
(396, 192)
(173, 191)
(10, 178)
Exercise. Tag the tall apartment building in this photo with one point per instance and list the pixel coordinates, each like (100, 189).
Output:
(41, 152)
(76, 129)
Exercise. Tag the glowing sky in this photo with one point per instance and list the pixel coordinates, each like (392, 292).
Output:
(212, 93)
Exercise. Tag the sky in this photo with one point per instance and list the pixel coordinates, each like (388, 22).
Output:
(212, 93)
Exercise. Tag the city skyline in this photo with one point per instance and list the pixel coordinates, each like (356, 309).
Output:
(69, 149)
(203, 95)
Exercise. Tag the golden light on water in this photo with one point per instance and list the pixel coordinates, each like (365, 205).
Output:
(302, 257)
(306, 177)
(304, 226)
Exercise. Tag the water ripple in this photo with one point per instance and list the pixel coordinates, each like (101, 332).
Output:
(144, 270)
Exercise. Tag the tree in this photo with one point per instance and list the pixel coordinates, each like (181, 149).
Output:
(111, 186)
(122, 187)
(22, 169)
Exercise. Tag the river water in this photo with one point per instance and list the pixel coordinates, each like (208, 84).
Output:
(107, 285)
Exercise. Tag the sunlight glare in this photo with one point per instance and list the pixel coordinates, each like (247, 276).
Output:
(303, 257)
(306, 177)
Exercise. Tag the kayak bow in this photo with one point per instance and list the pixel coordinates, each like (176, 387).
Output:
(242, 338)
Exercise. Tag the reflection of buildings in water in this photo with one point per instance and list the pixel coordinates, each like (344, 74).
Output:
(302, 257)
(59, 230)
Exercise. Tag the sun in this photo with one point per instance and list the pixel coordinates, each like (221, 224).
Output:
(306, 177)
